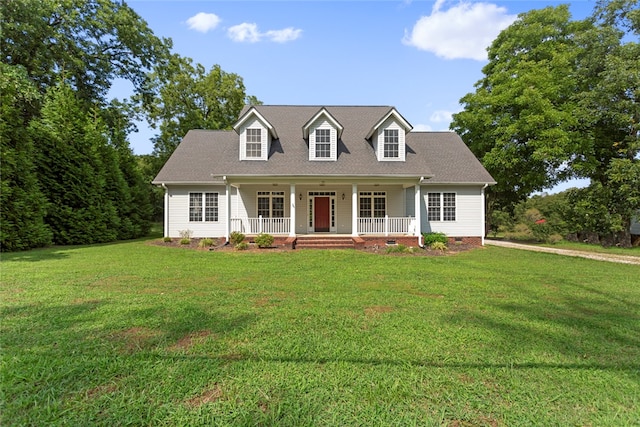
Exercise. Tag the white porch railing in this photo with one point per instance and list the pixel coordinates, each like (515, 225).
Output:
(261, 225)
(386, 225)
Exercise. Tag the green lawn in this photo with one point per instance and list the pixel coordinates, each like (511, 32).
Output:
(136, 334)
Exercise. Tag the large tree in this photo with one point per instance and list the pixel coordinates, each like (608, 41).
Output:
(559, 100)
(186, 96)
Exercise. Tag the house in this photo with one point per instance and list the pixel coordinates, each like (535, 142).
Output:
(354, 171)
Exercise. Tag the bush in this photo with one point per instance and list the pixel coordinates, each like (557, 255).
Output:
(438, 246)
(520, 232)
(554, 238)
(167, 240)
(264, 240)
(399, 249)
(205, 243)
(430, 238)
(242, 246)
(185, 234)
(235, 238)
(185, 241)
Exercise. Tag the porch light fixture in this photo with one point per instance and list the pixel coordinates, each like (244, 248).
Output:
(342, 196)
(300, 196)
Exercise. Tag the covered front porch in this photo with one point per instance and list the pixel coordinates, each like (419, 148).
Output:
(381, 209)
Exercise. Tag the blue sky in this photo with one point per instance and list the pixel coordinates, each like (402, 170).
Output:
(419, 56)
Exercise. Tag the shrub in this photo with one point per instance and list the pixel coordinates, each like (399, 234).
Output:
(242, 246)
(438, 246)
(264, 240)
(185, 234)
(399, 249)
(205, 243)
(167, 240)
(430, 238)
(185, 241)
(235, 238)
(520, 232)
(554, 238)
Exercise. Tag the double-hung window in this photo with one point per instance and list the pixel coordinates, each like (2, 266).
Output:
(271, 204)
(254, 143)
(203, 207)
(391, 143)
(441, 206)
(373, 204)
(323, 143)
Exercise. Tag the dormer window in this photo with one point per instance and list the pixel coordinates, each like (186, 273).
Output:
(322, 132)
(323, 143)
(254, 143)
(391, 143)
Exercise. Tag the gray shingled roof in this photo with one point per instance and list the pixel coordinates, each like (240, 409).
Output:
(203, 154)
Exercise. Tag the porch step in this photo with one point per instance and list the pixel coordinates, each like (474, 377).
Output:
(321, 242)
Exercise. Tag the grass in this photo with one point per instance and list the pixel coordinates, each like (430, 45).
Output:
(577, 246)
(136, 334)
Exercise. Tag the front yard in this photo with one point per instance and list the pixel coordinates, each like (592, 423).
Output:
(141, 334)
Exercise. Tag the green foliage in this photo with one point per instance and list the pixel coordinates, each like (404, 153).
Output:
(264, 240)
(22, 203)
(236, 237)
(438, 246)
(434, 237)
(185, 241)
(242, 246)
(167, 239)
(398, 249)
(185, 97)
(206, 243)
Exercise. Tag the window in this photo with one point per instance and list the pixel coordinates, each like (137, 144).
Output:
(254, 143)
(323, 143)
(391, 143)
(200, 203)
(373, 204)
(441, 206)
(271, 204)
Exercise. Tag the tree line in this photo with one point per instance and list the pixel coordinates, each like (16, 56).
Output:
(68, 174)
(560, 99)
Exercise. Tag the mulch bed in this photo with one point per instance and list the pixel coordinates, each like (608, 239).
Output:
(194, 244)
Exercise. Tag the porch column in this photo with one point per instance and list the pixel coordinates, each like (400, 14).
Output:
(292, 210)
(417, 208)
(166, 211)
(227, 202)
(354, 209)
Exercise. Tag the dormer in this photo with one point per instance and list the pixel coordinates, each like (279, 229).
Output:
(322, 132)
(388, 137)
(256, 134)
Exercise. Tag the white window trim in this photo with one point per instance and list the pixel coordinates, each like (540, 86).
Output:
(442, 206)
(271, 195)
(372, 195)
(203, 206)
(333, 144)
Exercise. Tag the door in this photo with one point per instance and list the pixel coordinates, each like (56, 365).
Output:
(321, 214)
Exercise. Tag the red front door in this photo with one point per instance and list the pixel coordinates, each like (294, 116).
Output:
(321, 214)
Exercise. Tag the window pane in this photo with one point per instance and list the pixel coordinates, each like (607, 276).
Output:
(365, 207)
(391, 144)
(277, 204)
(433, 208)
(211, 207)
(449, 206)
(195, 206)
(254, 143)
(263, 207)
(379, 207)
(323, 143)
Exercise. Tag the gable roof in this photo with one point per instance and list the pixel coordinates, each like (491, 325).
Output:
(204, 156)
(397, 116)
(252, 112)
(323, 112)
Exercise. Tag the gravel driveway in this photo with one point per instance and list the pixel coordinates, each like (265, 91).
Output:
(623, 259)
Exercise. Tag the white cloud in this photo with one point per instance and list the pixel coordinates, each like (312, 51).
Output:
(244, 32)
(462, 31)
(441, 116)
(203, 22)
(249, 33)
(283, 36)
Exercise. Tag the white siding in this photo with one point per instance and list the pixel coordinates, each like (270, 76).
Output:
(179, 212)
(469, 221)
(390, 123)
(635, 226)
(322, 123)
(265, 138)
